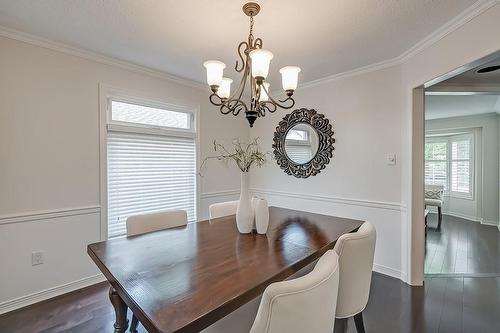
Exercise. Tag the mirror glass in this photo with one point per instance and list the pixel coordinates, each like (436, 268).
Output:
(301, 143)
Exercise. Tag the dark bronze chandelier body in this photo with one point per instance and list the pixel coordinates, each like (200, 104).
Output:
(261, 101)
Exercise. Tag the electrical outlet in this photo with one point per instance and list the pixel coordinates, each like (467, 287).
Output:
(36, 258)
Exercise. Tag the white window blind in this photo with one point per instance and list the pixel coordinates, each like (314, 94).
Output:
(436, 165)
(449, 162)
(460, 166)
(148, 172)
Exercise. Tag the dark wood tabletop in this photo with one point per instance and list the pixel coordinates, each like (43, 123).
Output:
(184, 279)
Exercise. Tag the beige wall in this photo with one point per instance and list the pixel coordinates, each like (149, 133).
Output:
(49, 159)
(366, 116)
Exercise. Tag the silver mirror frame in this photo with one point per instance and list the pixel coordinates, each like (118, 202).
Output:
(324, 153)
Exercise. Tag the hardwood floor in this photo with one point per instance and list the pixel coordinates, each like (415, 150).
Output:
(456, 304)
(462, 247)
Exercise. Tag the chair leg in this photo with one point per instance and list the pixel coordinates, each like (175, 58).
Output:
(440, 218)
(134, 324)
(340, 325)
(358, 321)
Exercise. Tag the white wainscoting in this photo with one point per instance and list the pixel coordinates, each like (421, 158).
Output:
(386, 216)
(62, 235)
(39, 296)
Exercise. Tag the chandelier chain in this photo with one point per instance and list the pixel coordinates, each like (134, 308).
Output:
(251, 27)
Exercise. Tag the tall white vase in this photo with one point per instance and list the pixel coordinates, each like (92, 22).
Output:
(261, 215)
(245, 212)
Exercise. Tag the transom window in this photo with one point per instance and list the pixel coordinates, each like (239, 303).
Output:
(151, 162)
(449, 161)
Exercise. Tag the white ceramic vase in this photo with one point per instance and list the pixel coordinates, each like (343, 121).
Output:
(261, 215)
(245, 212)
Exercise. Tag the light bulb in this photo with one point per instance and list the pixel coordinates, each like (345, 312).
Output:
(215, 70)
(289, 77)
(225, 88)
(260, 63)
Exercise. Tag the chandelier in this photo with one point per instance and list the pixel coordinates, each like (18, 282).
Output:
(253, 63)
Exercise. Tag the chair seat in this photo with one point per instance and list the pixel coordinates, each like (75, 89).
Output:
(433, 202)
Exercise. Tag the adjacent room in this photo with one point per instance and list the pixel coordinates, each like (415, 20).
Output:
(462, 173)
(257, 166)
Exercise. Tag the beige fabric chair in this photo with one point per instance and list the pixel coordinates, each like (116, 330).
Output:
(223, 209)
(141, 224)
(306, 304)
(434, 197)
(356, 251)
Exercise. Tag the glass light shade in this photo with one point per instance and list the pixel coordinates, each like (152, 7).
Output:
(260, 62)
(215, 70)
(225, 88)
(264, 97)
(289, 77)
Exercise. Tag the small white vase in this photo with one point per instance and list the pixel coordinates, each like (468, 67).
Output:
(261, 215)
(245, 212)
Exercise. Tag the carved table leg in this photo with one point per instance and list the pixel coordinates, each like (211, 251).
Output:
(121, 322)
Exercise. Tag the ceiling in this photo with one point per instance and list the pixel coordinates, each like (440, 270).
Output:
(472, 78)
(323, 37)
(445, 106)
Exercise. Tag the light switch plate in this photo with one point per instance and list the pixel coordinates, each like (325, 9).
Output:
(391, 159)
(36, 258)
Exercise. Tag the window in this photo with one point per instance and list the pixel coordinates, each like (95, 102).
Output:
(449, 162)
(298, 146)
(151, 162)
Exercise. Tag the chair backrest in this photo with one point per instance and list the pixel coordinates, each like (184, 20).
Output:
(140, 224)
(222, 209)
(306, 304)
(434, 191)
(356, 251)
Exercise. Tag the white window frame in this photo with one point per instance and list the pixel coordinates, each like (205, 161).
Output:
(449, 138)
(109, 93)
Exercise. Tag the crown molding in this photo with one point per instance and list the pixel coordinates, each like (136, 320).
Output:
(467, 15)
(97, 57)
(464, 17)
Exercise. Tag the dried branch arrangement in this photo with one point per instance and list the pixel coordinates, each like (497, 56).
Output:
(244, 155)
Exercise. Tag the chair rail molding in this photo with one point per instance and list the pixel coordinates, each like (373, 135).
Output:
(394, 206)
(48, 214)
(216, 194)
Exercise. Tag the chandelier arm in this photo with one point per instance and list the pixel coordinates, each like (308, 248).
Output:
(257, 43)
(233, 106)
(280, 104)
(213, 99)
(243, 63)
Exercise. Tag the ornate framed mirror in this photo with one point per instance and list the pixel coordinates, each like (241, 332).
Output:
(303, 143)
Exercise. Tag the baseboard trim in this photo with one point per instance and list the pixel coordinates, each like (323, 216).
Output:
(489, 222)
(46, 294)
(337, 200)
(48, 214)
(388, 271)
(462, 216)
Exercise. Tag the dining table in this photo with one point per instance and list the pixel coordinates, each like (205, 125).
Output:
(184, 279)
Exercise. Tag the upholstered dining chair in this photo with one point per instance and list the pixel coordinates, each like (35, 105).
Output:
(305, 304)
(144, 223)
(434, 197)
(141, 224)
(222, 209)
(355, 251)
